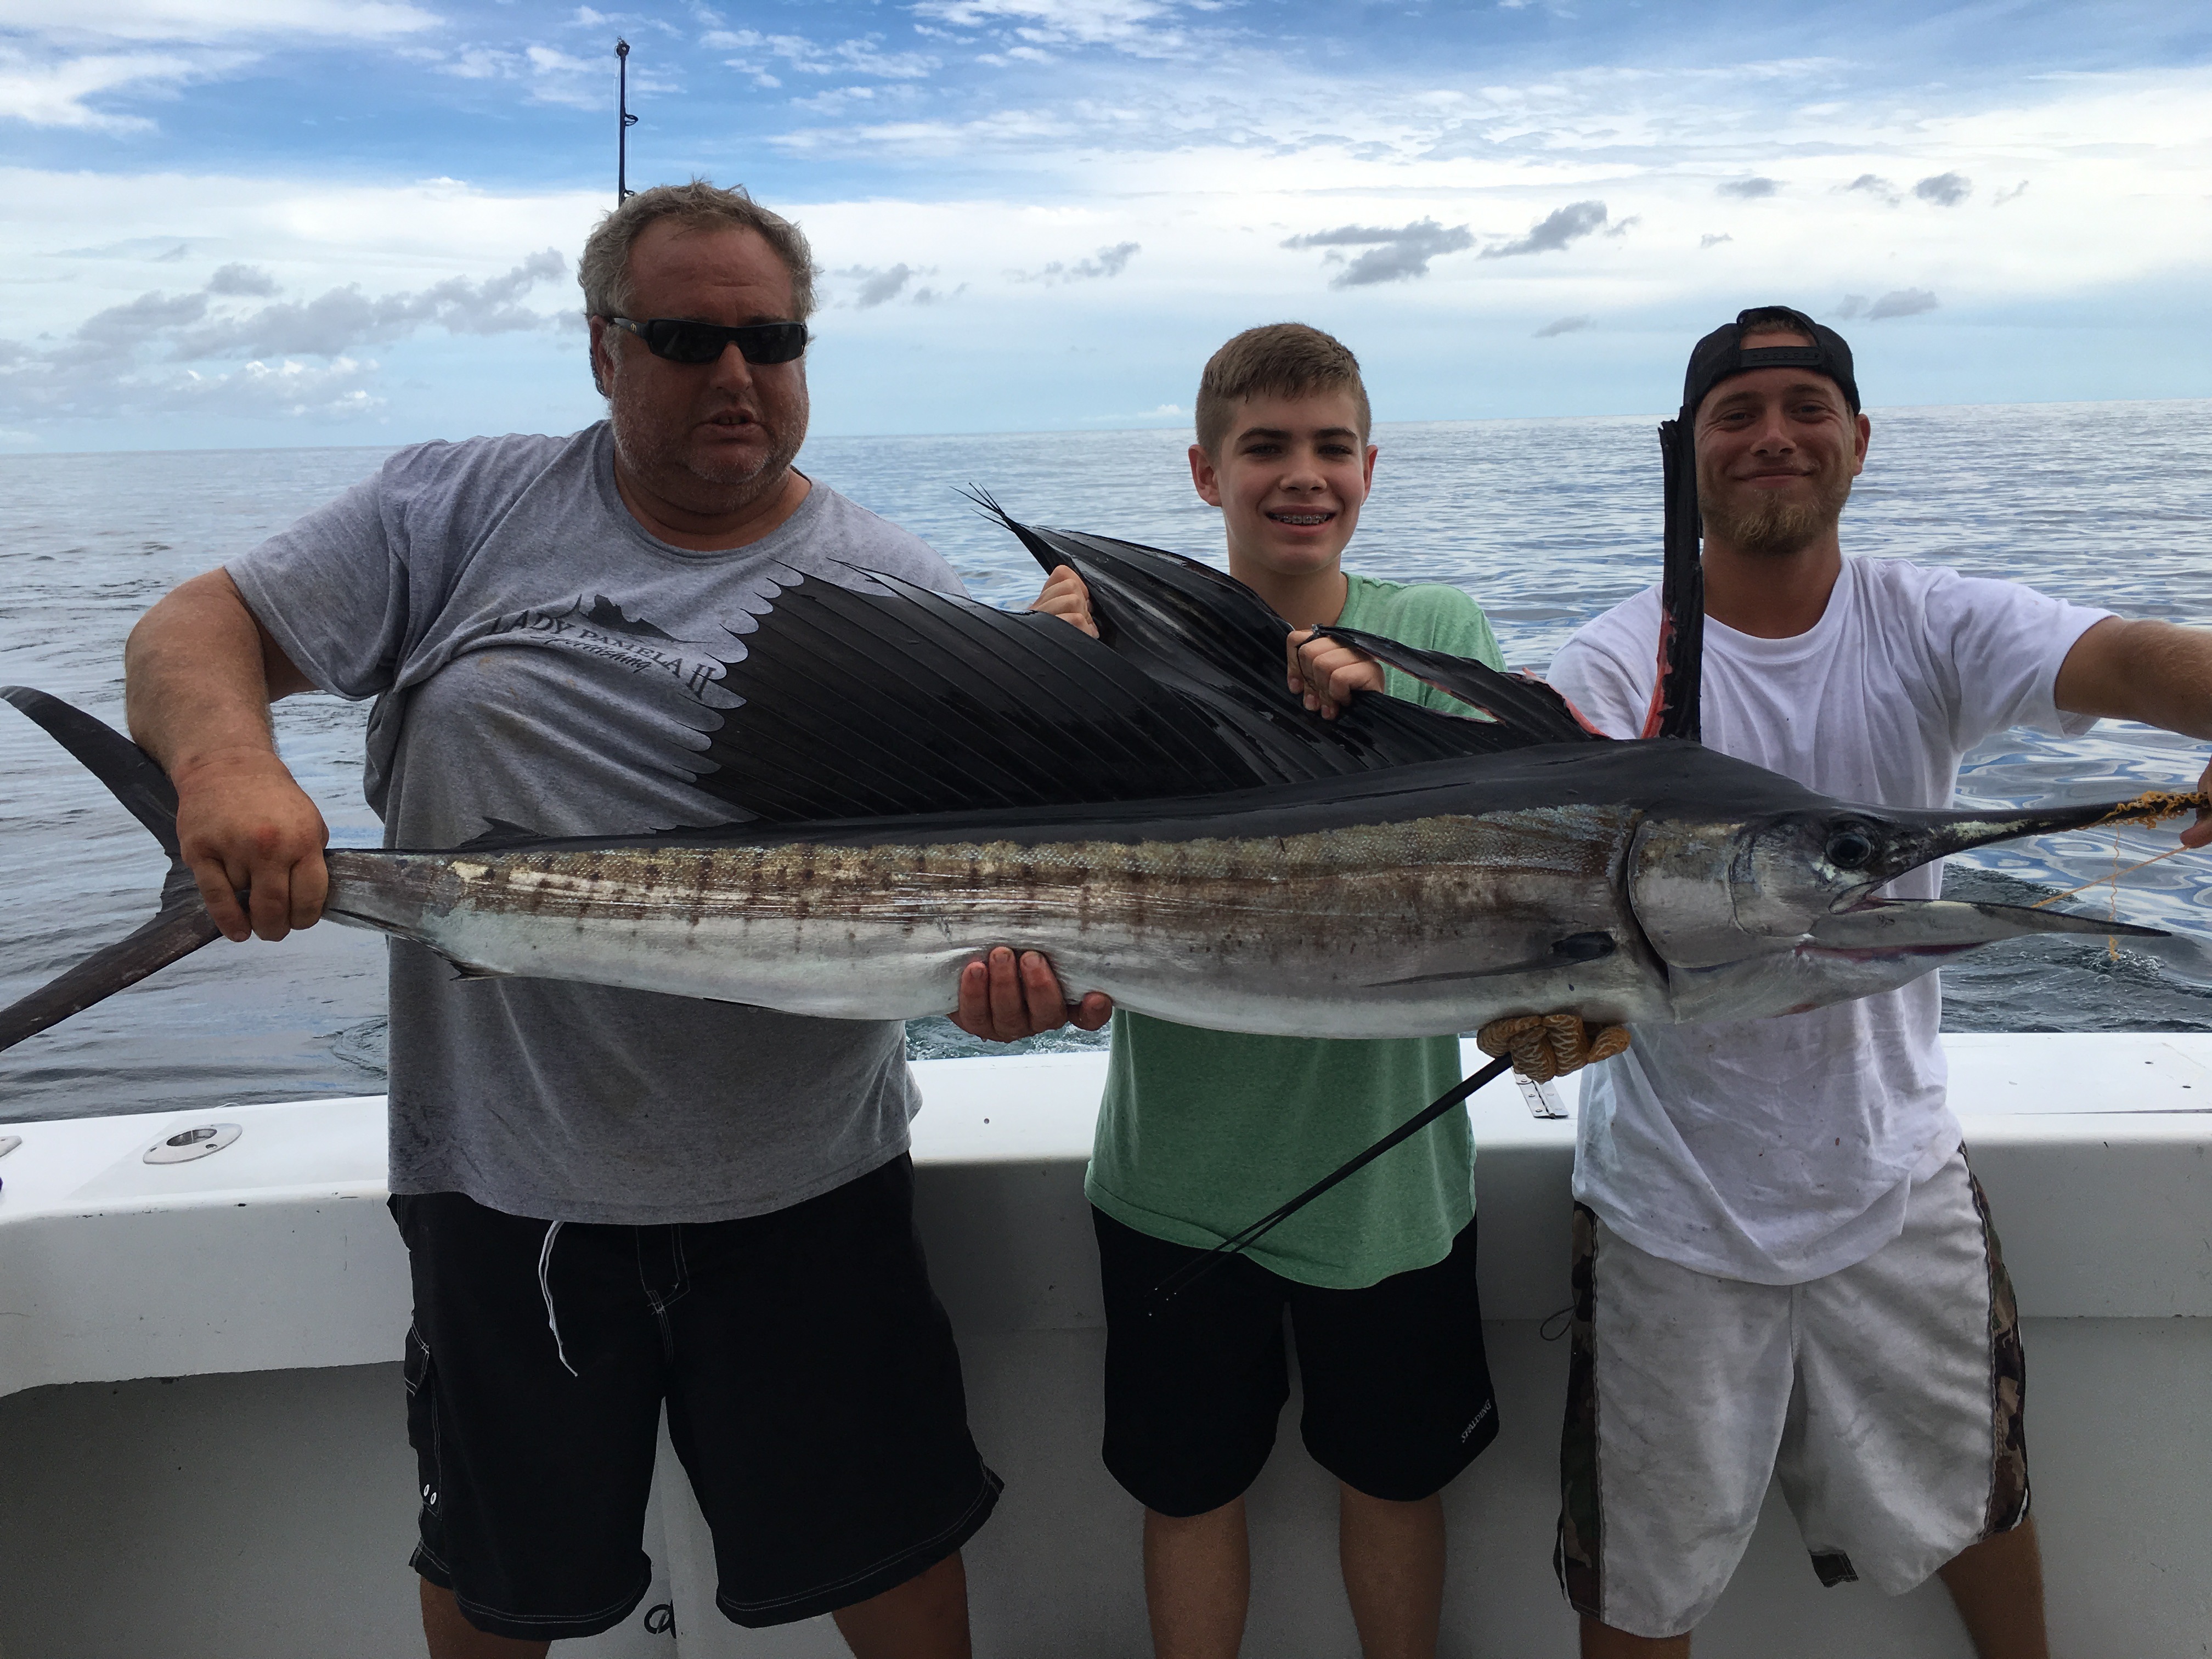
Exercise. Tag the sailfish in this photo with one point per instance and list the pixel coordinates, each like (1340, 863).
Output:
(913, 777)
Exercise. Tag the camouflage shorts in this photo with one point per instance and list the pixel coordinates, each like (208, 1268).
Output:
(1887, 1398)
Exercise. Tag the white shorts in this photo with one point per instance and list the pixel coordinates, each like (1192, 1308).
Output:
(1887, 1396)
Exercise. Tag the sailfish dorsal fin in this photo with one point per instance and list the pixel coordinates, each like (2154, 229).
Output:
(881, 698)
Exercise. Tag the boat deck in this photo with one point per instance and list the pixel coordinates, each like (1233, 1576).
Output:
(205, 1453)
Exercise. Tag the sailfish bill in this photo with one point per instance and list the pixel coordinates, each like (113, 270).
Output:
(1950, 925)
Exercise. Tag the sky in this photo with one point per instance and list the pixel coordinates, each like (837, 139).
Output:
(260, 224)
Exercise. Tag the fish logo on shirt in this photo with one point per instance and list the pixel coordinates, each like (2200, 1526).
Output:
(597, 625)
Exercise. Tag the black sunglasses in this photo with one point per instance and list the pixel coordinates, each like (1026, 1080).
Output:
(682, 342)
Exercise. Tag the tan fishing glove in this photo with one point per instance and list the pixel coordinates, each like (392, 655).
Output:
(1545, 1045)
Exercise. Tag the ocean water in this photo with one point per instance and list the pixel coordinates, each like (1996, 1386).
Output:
(1545, 522)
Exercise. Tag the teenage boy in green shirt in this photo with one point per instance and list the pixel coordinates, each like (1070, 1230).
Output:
(1202, 1131)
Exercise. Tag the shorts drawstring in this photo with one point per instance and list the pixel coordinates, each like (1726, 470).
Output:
(545, 1289)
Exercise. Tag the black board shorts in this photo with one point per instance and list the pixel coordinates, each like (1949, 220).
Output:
(813, 1390)
(1397, 1386)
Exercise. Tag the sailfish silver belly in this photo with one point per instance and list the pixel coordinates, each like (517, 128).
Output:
(1397, 928)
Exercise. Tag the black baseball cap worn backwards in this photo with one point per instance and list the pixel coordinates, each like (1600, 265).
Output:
(1722, 354)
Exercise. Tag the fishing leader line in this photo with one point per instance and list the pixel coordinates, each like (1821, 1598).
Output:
(2112, 912)
(1192, 1271)
(2117, 873)
(2151, 807)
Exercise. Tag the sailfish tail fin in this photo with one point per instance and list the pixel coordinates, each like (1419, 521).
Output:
(181, 925)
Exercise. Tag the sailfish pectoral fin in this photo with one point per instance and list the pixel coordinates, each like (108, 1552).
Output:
(1917, 924)
(1564, 953)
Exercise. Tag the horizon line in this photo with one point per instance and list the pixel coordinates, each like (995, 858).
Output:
(7, 454)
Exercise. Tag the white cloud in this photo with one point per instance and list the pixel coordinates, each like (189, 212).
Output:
(1945, 189)
(63, 55)
(1209, 172)
(214, 20)
(837, 101)
(333, 392)
(54, 93)
(1172, 414)
(879, 285)
(1564, 325)
(931, 139)
(1106, 262)
(1902, 303)
(120, 358)
(479, 63)
(547, 74)
(1392, 256)
(863, 55)
(1142, 27)
(242, 280)
(1898, 302)
(560, 77)
(1553, 233)
(1501, 160)
(288, 286)
(161, 250)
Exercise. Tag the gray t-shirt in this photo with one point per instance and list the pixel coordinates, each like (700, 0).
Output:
(538, 658)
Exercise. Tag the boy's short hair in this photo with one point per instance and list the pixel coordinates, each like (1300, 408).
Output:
(1278, 360)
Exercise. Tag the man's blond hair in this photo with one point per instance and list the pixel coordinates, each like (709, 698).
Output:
(1278, 360)
(603, 272)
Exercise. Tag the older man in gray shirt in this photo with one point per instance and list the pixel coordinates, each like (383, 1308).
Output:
(610, 1197)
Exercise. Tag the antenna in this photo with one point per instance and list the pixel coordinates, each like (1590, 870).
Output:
(624, 122)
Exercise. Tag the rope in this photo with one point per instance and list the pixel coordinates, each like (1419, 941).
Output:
(2153, 805)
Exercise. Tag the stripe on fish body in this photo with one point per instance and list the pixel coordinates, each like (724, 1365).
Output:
(1407, 927)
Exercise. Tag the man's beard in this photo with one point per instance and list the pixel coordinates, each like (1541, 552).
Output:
(661, 456)
(1769, 527)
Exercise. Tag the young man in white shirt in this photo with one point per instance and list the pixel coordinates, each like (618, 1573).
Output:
(1783, 1263)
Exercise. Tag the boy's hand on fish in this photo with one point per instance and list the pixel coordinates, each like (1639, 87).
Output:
(1065, 596)
(245, 827)
(1326, 673)
(1545, 1045)
(1004, 999)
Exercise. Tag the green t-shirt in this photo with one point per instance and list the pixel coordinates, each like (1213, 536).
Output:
(1202, 1133)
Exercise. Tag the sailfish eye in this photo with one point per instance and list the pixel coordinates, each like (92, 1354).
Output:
(1850, 849)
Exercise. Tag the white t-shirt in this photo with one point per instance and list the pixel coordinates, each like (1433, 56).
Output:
(1781, 1149)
